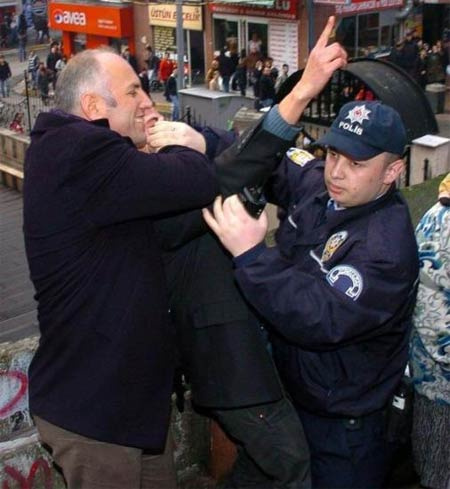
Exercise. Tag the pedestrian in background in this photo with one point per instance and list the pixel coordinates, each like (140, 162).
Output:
(214, 66)
(430, 346)
(255, 78)
(152, 61)
(145, 82)
(126, 55)
(240, 76)
(166, 66)
(52, 58)
(60, 65)
(22, 36)
(267, 88)
(33, 66)
(214, 83)
(5, 75)
(226, 69)
(171, 94)
(282, 77)
(434, 66)
(43, 82)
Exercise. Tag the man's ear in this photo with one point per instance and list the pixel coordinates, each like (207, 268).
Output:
(92, 106)
(393, 171)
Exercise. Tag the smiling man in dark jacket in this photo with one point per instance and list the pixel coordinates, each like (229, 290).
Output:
(101, 379)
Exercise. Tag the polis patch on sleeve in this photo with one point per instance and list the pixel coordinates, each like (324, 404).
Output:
(346, 279)
(299, 156)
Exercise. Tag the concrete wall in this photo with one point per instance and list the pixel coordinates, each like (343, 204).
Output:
(23, 462)
(14, 361)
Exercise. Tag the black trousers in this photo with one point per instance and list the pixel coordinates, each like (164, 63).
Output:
(347, 453)
(272, 448)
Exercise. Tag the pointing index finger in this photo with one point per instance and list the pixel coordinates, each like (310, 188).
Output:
(326, 33)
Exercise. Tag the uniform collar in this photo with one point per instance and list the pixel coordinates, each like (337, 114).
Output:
(334, 218)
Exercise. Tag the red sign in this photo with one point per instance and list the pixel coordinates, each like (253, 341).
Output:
(360, 6)
(107, 21)
(332, 2)
(282, 9)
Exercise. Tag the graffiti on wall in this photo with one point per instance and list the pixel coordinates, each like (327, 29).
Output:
(13, 392)
(39, 473)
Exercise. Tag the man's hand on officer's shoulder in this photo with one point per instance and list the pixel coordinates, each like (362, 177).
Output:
(235, 228)
(169, 133)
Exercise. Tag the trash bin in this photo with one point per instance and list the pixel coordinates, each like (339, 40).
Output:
(435, 93)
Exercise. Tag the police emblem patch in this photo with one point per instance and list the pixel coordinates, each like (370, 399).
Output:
(332, 244)
(299, 156)
(358, 114)
(346, 279)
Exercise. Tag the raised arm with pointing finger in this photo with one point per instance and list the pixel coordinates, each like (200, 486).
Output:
(338, 288)
(222, 346)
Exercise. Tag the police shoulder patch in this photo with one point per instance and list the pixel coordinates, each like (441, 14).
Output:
(346, 279)
(299, 156)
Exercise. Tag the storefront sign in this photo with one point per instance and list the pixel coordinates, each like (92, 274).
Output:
(91, 19)
(253, 3)
(360, 6)
(165, 14)
(332, 2)
(282, 9)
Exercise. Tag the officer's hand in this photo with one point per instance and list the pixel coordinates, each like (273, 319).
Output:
(322, 62)
(235, 228)
(166, 133)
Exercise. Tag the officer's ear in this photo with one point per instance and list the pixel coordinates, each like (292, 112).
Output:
(393, 170)
(92, 106)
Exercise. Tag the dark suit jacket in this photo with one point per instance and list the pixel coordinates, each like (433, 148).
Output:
(222, 348)
(105, 362)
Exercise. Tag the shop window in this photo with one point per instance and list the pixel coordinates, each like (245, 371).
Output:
(256, 38)
(225, 35)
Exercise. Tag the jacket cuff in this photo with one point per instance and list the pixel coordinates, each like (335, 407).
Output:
(249, 256)
(276, 125)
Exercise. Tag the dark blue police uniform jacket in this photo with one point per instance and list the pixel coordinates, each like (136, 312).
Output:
(105, 362)
(337, 289)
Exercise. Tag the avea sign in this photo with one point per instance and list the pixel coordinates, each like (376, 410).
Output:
(69, 18)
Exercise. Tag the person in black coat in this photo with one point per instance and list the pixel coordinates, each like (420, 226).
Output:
(5, 75)
(226, 69)
(267, 88)
(223, 349)
(240, 76)
(126, 54)
(100, 383)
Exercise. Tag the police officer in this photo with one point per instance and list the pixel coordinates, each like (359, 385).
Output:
(338, 288)
(223, 352)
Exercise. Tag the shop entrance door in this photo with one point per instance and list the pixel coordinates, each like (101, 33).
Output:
(256, 35)
(236, 33)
